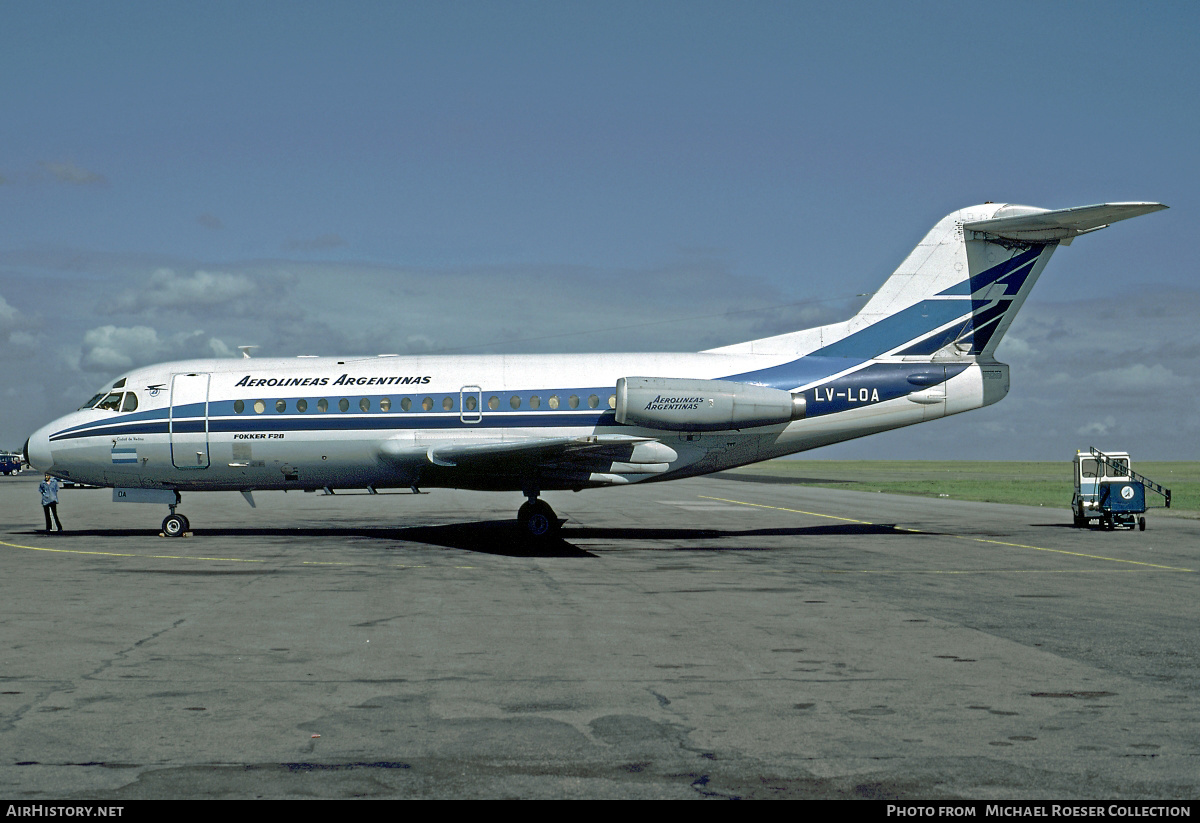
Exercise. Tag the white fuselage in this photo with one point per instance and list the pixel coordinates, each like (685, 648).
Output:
(307, 423)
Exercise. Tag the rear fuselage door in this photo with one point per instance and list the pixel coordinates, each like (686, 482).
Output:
(188, 424)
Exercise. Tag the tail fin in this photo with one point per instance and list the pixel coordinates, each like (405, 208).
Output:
(958, 291)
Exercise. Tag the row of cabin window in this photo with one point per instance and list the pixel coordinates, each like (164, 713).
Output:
(470, 403)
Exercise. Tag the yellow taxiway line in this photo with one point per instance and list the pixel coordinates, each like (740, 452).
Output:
(189, 557)
(128, 554)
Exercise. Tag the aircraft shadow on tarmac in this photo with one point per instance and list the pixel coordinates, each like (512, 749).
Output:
(505, 538)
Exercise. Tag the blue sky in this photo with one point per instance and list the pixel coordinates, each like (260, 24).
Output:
(334, 178)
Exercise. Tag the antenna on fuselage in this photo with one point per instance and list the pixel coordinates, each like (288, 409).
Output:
(245, 350)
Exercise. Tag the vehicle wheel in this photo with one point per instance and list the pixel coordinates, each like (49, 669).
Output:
(1141, 524)
(538, 520)
(175, 525)
(1080, 519)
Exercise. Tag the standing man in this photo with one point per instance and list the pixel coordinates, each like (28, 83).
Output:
(49, 490)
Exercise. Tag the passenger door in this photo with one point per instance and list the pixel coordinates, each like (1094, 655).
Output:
(188, 423)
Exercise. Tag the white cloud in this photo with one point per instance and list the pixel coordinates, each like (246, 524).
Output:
(167, 290)
(1098, 428)
(7, 313)
(110, 348)
(1139, 377)
(1014, 349)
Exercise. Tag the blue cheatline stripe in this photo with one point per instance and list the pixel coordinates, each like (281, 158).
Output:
(787, 376)
(356, 422)
(913, 324)
(129, 418)
(157, 420)
(897, 329)
(222, 418)
(109, 429)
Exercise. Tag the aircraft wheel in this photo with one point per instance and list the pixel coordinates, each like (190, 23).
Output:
(538, 520)
(175, 525)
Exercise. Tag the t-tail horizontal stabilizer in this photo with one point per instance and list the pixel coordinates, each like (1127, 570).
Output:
(1029, 224)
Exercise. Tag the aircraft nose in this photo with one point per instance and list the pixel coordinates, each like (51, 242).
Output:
(37, 450)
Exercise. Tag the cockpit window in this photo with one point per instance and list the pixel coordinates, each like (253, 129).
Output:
(111, 399)
(112, 402)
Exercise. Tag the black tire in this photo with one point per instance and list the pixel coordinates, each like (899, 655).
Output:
(1141, 524)
(174, 525)
(538, 520)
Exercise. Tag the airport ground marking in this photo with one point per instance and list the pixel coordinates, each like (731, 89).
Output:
(793, 511)
(186, 557)
(960, 537)
(129, 554)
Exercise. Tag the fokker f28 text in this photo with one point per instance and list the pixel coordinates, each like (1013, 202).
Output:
(921, 348)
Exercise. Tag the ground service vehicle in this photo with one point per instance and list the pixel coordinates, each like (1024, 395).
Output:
(1110, 492)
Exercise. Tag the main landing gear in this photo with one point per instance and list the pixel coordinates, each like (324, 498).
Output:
(175, 525)
(537, 519)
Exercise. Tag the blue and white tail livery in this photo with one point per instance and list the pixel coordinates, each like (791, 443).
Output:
(920, 349)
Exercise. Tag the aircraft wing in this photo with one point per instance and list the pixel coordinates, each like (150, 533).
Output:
(592, 452)
(1040, 225)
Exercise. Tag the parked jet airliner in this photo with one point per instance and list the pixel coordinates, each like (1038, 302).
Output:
(921, 348)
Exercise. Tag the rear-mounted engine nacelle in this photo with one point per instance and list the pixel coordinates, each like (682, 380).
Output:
(680, 404)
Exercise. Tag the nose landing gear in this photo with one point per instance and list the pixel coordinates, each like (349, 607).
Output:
(175, 525)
